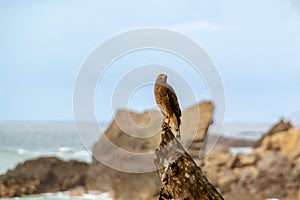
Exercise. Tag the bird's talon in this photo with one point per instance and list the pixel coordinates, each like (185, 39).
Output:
(164, 126)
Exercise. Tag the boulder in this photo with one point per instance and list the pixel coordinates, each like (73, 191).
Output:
(288, 142)
(214, 162)
(242, 160)
(248, 175)
(282, 137)
(77, 191)
(46, 174)
(273, 161)
(226, 179)
(217, 158)
(270, 171)
(278, 127)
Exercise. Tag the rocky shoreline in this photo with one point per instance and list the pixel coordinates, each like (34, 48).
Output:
(42, 175)
(270, 170)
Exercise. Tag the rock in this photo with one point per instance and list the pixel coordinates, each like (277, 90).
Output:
(271, 170)
(295, 172)
(225, 180)
(240, 193)
(122, 185)
(242, 160)
(279, 127)
(42, 175)
(218, 159)
(287, 142)
(77, 191)
(214, 162)
(248, 175)
(265, 144)
(283, 138)
(273, 161)
(134, 133)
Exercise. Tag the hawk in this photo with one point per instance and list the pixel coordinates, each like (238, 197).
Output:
(167, 101)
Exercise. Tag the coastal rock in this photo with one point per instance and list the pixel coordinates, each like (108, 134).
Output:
(247, 175)
(217, 158)
(270, 170)
(278, 127)
(271, 176)
(281, 137)
(47, 174)
(274, 162)
(214, 162)
(226, 179)
(287, 142)
(120, 172)
(77, 191)
(241, 160)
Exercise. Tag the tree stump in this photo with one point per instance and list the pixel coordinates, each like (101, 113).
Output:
(181, 178)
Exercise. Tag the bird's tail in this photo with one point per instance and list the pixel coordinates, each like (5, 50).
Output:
(178, 136)
(176, 124)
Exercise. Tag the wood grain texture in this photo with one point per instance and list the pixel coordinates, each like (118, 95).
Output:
(181, 178)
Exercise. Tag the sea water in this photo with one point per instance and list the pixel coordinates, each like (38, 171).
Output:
(63, 196)
(23, 141)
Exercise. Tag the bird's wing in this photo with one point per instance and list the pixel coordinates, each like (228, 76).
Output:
(159, 97)
(174, 102)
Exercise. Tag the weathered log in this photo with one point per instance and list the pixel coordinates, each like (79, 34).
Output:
(181, 178)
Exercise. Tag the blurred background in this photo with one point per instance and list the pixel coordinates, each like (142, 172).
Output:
(255, 46)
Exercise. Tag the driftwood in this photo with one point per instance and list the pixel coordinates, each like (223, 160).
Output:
(181, 178)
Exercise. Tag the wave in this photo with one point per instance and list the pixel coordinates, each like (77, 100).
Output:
(62, 151)
(11, 157)
(243, 150)
(20, 151)
(65, 149)
(64, 196)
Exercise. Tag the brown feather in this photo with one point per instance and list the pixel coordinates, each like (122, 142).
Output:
(167, 100)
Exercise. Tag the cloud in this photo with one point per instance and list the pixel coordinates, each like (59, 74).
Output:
(201, 27)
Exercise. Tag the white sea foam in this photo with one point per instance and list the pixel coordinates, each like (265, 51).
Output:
(243, 150)
(64, 196)
(65, 149)
(92, 195)
(21, 151)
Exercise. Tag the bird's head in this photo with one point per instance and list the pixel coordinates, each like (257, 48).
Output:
(162, 78)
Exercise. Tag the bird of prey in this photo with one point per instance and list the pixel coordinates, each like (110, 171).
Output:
(167, 101)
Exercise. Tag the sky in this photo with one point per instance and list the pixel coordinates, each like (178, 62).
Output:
(254, 45)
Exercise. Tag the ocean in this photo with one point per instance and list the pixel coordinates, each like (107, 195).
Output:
(23, 141)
